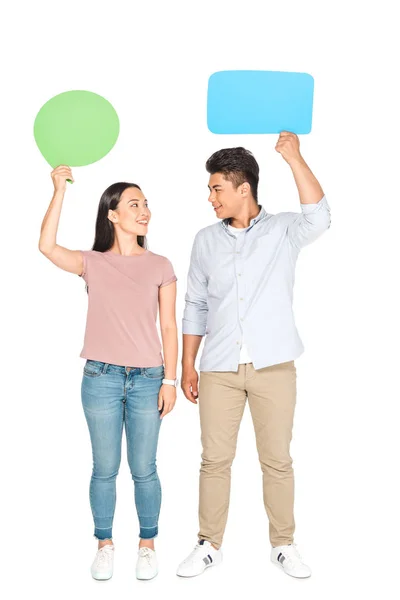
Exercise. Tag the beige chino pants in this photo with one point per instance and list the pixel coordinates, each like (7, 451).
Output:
(271, 393)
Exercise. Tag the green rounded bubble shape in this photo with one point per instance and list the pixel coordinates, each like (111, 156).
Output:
(76, 128)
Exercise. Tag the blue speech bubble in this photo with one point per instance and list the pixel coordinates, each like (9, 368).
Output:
(260, 102)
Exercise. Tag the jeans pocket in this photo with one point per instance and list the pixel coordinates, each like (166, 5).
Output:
(93, 368)
(154, 372)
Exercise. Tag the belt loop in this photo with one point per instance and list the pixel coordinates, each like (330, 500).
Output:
(105, 367)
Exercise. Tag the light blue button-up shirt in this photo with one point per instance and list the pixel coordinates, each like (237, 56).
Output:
(240, 289)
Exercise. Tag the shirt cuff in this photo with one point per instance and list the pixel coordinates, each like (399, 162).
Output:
(192, 328)
(310, 208)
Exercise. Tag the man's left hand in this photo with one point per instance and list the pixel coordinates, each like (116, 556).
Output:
(288, 146)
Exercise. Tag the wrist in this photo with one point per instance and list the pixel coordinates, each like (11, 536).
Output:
(171, 382)
(188, 362)
(297, 161)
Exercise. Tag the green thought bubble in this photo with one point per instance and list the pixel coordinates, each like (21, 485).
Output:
(76, 128)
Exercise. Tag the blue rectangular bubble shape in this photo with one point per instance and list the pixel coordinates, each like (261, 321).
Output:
(260, 102)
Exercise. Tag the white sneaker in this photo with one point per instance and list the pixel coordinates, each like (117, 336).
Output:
(103, 564)
(146, 566)
(289, 559)
(203, 556)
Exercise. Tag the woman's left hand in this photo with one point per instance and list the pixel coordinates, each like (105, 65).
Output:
(166, 399)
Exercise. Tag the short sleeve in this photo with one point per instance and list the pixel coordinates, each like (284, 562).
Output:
(85, 255)
(168, 275)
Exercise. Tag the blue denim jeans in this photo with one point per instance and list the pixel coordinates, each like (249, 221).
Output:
(113, 396)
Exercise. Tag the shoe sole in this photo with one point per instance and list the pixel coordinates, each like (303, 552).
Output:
(101, 578)
(279, 566)
(146, 578)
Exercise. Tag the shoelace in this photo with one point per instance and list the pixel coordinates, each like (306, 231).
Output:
(144, 553)
(194, 552)
(292, 555)
(104, 554)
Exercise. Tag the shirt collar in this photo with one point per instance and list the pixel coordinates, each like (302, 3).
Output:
(262, 213)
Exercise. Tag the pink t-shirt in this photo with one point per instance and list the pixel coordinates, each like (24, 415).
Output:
(123, 304)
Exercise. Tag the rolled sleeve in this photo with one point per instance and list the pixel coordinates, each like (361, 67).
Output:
(308, 225)
(194, 320)
(168, 274)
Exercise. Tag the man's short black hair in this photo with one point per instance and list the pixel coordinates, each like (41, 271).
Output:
(237, 166)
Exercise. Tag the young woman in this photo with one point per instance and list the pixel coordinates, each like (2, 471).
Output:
(125, 380)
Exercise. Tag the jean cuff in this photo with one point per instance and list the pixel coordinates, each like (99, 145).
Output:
(103, 534)
(147, 533)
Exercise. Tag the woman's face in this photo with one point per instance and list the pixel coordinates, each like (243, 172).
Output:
(132, 214)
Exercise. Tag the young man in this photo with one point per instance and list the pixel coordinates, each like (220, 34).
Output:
(239, 295)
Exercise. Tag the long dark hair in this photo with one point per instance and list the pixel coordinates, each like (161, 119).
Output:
(104, 236)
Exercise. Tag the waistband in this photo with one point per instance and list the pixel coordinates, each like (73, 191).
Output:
(108, 367)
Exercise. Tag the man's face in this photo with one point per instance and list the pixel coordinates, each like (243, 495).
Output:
(226, 200)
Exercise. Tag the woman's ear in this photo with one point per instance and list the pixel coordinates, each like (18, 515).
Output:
(112, 216)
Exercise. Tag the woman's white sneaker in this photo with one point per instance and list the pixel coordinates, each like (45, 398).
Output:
(103, 564)
(146, 566)
(289, 559)
(203, 556)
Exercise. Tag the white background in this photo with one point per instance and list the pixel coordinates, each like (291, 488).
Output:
(152, 61)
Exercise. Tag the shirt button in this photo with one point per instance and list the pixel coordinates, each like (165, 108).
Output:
(241, 318)
(241, 298)
(239, 274)
(237, 252)
(238, 342)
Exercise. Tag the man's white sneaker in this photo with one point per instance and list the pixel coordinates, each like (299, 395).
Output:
(103, 564)
(146, 566)
(203, 556)
(289, 559)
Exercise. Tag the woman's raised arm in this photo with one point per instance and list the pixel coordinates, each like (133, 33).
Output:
(68, 260)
